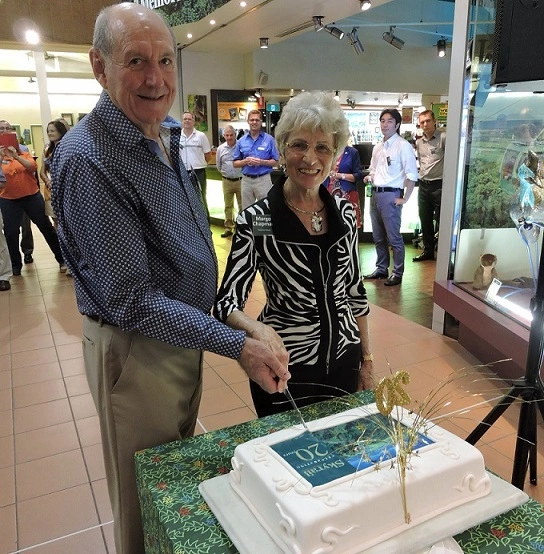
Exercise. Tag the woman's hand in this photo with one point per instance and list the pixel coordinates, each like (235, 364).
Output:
(366, 376)
(267, 335)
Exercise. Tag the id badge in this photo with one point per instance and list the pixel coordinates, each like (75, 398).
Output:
(262, 224)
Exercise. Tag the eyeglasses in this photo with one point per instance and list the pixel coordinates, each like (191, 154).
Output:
(4, 129)
(300, 147)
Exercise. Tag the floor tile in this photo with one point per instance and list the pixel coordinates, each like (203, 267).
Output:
(221, 399)
(94, 461)
(55, 515)
(36, 374)
(42, 443)
(38, 393)
(7, 456)
(7, 486)
(41, 415)
(102, 499)
(74, 366)
(227, 419)
(82, 406)
(88, 431)
(89, 541)
(64, 471)
(32, 343)
(8, 524)
(76, 385)
(33, 357)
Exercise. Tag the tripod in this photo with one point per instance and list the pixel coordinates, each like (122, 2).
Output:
(531, 390)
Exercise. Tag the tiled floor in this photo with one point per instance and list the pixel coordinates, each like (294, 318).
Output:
(53, 497)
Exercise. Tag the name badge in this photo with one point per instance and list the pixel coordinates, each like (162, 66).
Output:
(261, 148)
(262, 224)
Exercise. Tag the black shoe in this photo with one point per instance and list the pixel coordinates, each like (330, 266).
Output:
(16, 271)
(423, 257)
(393, 280)
(4, 285)
(226, 234)
(28, 259)
(376, 275)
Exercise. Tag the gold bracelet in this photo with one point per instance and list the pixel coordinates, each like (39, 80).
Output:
(368, 358)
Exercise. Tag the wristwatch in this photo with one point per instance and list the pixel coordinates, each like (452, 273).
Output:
(368, 358)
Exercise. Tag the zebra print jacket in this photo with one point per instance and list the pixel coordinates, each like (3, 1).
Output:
(313, 284)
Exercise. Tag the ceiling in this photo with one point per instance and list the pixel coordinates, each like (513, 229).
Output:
(68, 24)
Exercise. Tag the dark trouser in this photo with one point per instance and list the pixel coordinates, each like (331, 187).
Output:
(34, 207)
(429, 198)
(27, 240)
(201, 174)
(309, 385)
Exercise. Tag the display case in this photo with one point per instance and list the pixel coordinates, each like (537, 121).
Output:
(499, 216)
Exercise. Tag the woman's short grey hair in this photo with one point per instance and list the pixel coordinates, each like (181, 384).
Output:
(313, 111)
(103, 37)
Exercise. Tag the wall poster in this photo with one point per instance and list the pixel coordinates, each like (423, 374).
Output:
(196, 104)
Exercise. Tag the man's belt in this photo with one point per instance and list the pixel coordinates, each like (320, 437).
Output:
(231, 179)
(256, 176)
(100, 320)
(385, 189)
(434, 182)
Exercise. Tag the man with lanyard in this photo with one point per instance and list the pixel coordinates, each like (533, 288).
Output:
(231, 178)
(393, 173)
(257, 155)
(430, 152)
(196, 153)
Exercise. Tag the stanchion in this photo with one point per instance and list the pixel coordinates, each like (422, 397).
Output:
(529, 389)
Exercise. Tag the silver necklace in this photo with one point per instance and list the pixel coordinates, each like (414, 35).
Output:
(317, 220)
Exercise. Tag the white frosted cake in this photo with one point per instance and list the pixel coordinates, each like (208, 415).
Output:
(344, 495)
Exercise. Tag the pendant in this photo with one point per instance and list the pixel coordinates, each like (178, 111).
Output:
(317, 223)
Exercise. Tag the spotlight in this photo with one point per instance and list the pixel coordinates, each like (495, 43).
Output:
(258, 93)
(392, 39)
(355, 42)
(335, 32)
(365, 5)
(318, 23)
(337, 95)
(441, 48)
(32, 80)
(351, 103)
(263, 42)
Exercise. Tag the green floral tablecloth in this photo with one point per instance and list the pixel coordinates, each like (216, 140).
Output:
(177, 520)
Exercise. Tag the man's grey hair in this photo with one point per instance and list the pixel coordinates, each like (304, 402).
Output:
(313, 111)
(103, 37)
(229, 128)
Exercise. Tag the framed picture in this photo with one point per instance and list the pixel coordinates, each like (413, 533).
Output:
(198, 106)
(68, 117)
(80, 116)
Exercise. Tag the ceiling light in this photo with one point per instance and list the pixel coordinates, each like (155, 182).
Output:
(263, 42)
(441, 48)
(32, 80)
(351, 103)
(392, 39)
(243, 4)
(365, 5)
(355, 42)
(337, 95)
(32, 36)
(258, 93)
(189, 35)
(318, 23)
(335, 32)
(212, 21)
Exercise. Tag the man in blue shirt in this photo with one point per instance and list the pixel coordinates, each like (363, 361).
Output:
(257, 155)
(135, 235)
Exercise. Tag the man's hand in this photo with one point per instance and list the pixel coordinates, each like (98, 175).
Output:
(263, 366)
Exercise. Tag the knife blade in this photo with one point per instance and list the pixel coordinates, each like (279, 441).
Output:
(289, 396)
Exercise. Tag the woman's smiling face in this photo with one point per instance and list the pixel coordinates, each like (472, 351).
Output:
(307, 169)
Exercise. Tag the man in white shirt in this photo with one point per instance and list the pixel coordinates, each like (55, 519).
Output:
(393, 173)
(195, 153)
(232, 177)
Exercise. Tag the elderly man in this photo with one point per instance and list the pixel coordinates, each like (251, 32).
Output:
(257, 155)
(136, 238)
(231, 178)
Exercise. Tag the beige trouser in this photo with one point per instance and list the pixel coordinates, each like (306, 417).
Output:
(146, 393)
(255, 189)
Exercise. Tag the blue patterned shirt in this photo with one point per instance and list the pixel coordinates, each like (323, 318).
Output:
(134, 233)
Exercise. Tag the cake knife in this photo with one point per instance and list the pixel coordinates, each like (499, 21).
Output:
(289, 396)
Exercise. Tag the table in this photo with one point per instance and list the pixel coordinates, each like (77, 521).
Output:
(177, 520)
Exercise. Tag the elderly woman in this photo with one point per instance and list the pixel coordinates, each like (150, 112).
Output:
(303, 241)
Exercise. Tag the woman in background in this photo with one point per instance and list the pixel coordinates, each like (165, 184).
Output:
(345, 175)
(55, 131)
(303, 242)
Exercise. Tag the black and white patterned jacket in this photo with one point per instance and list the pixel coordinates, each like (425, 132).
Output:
(313, 284)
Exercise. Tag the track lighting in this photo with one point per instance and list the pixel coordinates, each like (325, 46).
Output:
(365, 5)
(337, 95)
(335, 32)
(318, 23)
(258, 93)
(441, 48)
(263, 42)
(351, 103)
(392, 39)
(355, 42)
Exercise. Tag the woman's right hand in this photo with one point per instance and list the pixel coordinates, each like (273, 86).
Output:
(267, 335)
